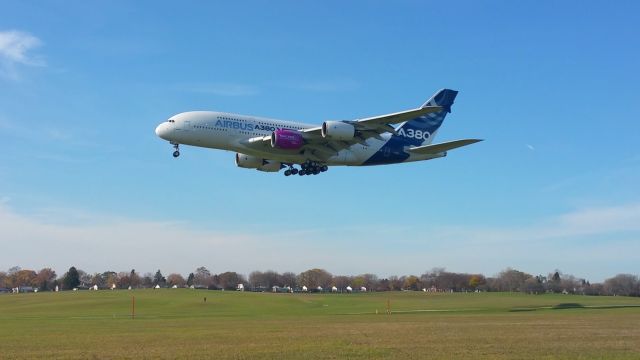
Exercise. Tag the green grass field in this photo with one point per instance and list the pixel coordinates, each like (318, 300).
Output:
(177, 323)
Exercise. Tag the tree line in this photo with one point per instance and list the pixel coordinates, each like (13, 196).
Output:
(436, 279)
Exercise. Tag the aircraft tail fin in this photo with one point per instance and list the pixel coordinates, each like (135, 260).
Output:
(421, 130)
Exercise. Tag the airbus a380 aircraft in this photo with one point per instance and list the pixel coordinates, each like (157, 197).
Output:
(271, 145)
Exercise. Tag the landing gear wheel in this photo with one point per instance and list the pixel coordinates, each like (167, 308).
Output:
(177, 152)
(302, 173)
(287, 172)
(324, 168)
(294, 171)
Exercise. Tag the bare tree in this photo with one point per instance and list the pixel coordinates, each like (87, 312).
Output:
(314, 278)
(176, 279)
(288, 279)
(110, 278)
(341, 281)
(533, 285)
(85, 278)
(622, 284)
(202, 277)
(266, 280)
(124, 280)
(146, 281)
(370, 280)
(511, 280)
(45, 279)
(229, 280)
(23, 278)
(134, 279)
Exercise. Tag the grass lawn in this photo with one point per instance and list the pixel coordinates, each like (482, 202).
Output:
(178, 323)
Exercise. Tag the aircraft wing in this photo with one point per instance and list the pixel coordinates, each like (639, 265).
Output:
(320, 149)
(441, 147)
(379, 124)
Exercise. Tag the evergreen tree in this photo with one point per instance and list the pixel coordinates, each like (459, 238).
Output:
(158, 279)
(71, 279)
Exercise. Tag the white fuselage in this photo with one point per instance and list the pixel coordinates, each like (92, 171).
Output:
(225, 131)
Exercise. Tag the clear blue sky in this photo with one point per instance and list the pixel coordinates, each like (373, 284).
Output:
(553, 87)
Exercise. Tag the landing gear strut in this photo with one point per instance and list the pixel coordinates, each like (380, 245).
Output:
(177, 152)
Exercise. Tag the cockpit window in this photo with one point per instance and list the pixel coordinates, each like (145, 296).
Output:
(171, 120)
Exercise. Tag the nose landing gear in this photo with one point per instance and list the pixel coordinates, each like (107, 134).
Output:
(176, 147)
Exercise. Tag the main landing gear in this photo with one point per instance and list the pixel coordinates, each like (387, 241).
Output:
(177, 152)
(306, 168)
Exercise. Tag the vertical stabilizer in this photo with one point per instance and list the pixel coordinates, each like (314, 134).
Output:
(421, 130)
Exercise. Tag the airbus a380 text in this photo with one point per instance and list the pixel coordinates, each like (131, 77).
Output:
(272, 145)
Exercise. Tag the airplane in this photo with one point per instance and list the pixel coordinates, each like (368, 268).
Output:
(271, 145)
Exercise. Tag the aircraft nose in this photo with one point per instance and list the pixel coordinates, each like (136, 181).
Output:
(161, 130)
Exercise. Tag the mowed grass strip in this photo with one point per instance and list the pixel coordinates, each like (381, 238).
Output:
(178, 323)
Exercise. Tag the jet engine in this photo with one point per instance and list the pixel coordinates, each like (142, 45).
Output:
(286, 139)
(248, 161)
(252, 162)
(338, 130)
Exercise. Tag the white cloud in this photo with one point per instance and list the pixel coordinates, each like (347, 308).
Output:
(15, 49)
(602, 220)
(594, 243)
(98, 243)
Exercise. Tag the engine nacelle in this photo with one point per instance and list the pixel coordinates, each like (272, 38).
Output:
(252, 162)
(248, 161)
(286, 139)
(270, 166)
(338, 130)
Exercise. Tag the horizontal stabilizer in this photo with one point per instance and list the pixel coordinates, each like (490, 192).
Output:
(442, 147)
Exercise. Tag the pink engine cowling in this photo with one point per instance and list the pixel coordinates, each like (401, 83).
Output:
(286, 139)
